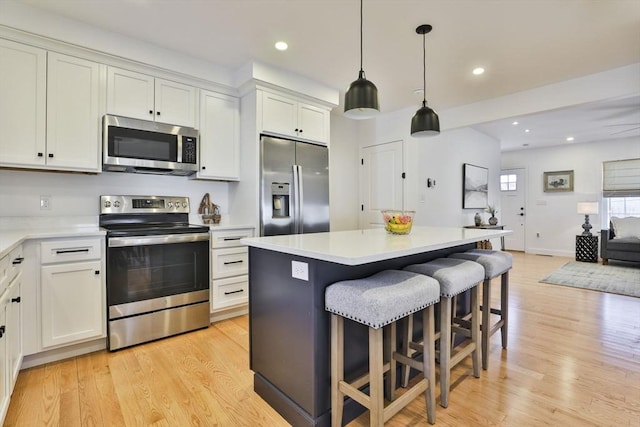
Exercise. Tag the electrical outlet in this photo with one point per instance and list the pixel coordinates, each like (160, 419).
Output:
(300, 270)
(45, 203)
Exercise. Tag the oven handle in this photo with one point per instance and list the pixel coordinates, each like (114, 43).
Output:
(116, 242)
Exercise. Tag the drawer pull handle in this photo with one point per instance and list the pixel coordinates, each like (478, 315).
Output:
(234, 292)
(3, 329)
(17, 261)
(233, 262)
(226, 239)
(16, 300)
(72, 251)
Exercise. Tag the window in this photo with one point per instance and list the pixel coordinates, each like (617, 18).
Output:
(621, 189)
(622, 207)
(508, 182)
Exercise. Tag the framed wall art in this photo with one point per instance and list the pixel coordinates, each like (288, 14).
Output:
(558, 181)
(475, 187)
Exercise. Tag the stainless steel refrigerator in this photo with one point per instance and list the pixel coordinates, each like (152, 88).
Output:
(294, 189)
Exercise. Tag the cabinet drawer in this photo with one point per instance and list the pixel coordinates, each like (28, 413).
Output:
(229, 262)
(15, 263)
(70, 250)
(229, 292)
(229, 238)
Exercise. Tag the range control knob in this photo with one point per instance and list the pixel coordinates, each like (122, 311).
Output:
(185, 204)
(107, 204)
(116, 204)
(170, 204)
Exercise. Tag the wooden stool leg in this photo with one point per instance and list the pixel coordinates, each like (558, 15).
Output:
(475, 330)
(393, 363)
(445, 350)
(486, 317)
(337, 369)
(504, 306)
(406, 349)
(429, 362)
(376, 378)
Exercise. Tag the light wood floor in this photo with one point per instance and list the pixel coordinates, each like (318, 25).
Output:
(573, 360)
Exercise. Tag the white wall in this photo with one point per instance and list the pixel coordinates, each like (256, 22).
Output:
(553, 215)
(441, 158)
(78, 194)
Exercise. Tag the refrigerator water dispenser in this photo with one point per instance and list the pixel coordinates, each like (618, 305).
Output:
(280, 200)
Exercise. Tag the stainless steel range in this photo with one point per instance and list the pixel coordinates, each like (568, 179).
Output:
(157, 269)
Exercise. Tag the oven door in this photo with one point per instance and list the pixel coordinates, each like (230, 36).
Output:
(149, 273)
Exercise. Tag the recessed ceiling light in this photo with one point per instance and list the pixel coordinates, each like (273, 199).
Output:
(477, 71)
(282, 46)
(570, 138)
(527, 130)
(514, 123)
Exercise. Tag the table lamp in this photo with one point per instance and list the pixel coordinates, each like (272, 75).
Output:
(586, 209)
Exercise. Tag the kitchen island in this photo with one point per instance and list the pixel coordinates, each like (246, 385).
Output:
(289, 328)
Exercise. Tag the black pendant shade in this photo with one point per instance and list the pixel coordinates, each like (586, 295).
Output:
(425, 122)
(361, 99)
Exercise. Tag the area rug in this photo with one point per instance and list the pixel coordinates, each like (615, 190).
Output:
(604, 278)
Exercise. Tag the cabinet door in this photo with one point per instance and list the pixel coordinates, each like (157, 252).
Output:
(22, 110)
(313, 123)
(72, 303)
(73, 113)
(175, 103)
(14, 330)
(130, 94)
(279, 114)
(219, 137)
(5, 392)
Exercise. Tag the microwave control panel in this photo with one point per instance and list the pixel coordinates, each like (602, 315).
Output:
(189, 149)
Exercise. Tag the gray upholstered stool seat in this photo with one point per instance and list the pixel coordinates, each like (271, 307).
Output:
(495, 263)
(378, 301)
(455, 276)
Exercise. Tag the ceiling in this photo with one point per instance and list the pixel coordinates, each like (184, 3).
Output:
(522, 44)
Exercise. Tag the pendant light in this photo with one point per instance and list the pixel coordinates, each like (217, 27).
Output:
(425, 122)
(361, 99)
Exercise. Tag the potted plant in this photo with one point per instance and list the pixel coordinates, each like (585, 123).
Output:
(492, 211)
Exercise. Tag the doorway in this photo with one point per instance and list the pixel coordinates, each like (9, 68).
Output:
(381, 182)
(514, 212)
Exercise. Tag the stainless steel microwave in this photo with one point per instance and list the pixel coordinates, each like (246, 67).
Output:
(141, 146)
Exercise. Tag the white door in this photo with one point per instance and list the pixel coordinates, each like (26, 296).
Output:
(312, 123)
(512, 190)
(130, 94)
(279, 114)
(381, 181)
(175, 103)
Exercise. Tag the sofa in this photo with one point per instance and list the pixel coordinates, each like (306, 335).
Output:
(621, 241)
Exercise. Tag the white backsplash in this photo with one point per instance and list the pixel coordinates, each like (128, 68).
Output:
(77, 195)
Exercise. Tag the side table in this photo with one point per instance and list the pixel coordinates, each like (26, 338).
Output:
(587, 248)
(489, 227)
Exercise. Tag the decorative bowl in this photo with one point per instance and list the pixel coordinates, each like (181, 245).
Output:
(398, 221)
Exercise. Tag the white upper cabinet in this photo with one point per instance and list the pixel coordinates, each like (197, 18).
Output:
(74, 110)
(219, 137)
(287, 116)
(141, 96)
(53, 118)
(23, 71)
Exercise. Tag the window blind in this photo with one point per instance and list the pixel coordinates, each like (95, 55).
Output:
(621, 178)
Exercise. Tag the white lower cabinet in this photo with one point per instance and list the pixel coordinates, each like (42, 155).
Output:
(72, 296)
(229, 269)
(10, 325)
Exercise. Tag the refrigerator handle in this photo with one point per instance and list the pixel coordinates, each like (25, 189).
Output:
(296, 200)
(300, 200)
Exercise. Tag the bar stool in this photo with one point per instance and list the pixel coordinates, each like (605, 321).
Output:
(378, 301)
(455, 276)
(495, 263)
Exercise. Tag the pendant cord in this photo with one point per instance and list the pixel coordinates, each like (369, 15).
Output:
(361, 1)
(424, 71)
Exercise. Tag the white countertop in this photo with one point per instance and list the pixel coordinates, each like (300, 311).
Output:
(356, 247)
(9, 239)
